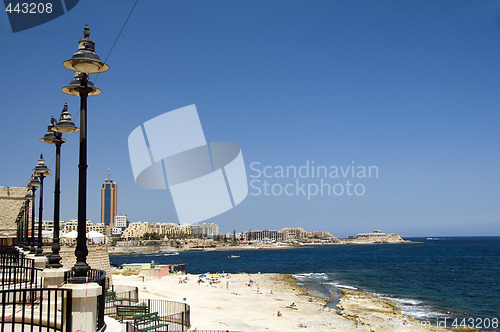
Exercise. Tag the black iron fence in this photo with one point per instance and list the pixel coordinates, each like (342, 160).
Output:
(122, 295)
(176, 314)
(12, 256)
(39, 309)
(16, 270)
(130, 327)
(126, 294)
(9, 255)
(16, 277)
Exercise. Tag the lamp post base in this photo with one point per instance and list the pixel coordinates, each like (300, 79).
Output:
(39, 252)
(80, 270)
(55, 261)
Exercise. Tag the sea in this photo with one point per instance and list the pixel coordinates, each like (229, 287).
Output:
(442, 280)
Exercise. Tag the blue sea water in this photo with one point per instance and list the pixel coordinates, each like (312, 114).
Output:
(453, 277)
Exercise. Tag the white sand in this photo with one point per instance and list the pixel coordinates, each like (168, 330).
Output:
(233, 305)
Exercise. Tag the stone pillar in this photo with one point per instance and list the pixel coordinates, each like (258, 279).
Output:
(39, 261)
(52, 278)
(84, 306)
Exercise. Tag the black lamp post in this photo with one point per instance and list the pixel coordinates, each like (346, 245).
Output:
(26, 218)
(54, 136)
(42, 171)
(34, 183)
(20, 225)
(19, 231)
(83, 62)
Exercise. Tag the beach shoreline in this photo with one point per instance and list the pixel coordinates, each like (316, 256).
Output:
(271, 302)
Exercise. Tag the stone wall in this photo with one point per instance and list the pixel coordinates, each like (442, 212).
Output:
(11, 199)
(98, 257)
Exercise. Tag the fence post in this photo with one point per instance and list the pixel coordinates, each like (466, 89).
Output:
(84, 306)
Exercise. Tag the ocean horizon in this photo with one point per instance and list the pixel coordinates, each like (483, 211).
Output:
(437, 279)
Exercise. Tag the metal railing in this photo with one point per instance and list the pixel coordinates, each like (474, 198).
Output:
(16, 277)
(9, 255)
(126, 294)
(120, 294)
(36, 309)
(12, 256)
(16, 270)
(99, 277)
(176, 314)
(130, 327)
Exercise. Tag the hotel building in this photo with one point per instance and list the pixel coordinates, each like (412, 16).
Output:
(108, 202)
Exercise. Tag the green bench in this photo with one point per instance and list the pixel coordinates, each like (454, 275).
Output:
(110, 297)
(130, 311)
(149, 322)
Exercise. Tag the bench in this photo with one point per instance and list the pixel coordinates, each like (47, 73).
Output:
(148, 322)
(130, 311)
(110, 297)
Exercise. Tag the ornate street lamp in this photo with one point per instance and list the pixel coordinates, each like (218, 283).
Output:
(83, 62)
(42, 171)
(27, 197)
(34, 183)
(54, 136)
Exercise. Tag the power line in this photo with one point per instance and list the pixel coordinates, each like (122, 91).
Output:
(116, 40)
(118, 36)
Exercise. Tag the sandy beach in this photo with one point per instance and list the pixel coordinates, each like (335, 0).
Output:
(251, 302)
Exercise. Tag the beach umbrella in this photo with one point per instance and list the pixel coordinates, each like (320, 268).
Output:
(70, 235)
(214, 275)
(202, 276)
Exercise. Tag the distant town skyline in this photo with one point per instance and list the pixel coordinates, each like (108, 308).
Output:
(410, 88)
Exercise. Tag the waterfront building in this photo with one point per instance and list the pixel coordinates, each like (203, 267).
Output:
(47, 225)
(135, 230)
(375, 234)
(295, 233)
(72, 225)
(187, 229)
(265, 235)
(108, 201)
(120, 223)
(167, 229)
(234, 236)
(206, 229)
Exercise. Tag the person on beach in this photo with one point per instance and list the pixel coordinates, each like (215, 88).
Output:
(279, 314)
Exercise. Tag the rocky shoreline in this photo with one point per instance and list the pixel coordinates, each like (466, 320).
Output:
(378, 314)
(158, 249)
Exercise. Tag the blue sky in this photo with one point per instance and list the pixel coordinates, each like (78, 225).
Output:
(409, 86)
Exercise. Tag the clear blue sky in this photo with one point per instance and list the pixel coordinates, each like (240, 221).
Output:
(411, 86)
